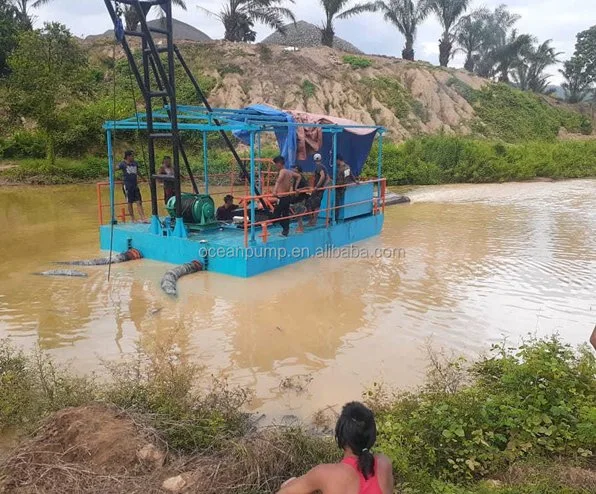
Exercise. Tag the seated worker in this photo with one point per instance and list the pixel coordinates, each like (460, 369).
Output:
(360, 471)
(299, 200)
(168, 185)
(321, 180)
(344, 177)
(226, 212)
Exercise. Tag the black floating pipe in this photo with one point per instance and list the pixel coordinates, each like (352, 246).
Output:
(170, 279)
(63, 272)
(129, 255)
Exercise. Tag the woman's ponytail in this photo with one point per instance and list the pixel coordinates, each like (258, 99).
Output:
(366, 463)
(356, 430)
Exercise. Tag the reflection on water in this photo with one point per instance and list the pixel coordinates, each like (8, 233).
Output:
(481, 262)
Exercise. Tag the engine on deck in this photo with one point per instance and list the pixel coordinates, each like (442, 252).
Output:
(197, 209)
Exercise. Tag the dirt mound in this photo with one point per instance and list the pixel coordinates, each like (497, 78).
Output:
(80, 450)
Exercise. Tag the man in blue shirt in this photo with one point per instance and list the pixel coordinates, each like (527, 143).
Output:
(130, 173)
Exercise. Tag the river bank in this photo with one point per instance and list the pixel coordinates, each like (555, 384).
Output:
(519, 420)
(419, 161)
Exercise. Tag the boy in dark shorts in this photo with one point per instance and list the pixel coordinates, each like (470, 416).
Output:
(130, 172)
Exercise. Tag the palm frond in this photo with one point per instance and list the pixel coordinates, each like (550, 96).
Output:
(359, 9)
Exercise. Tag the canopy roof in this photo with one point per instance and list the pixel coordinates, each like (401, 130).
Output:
(354, 140)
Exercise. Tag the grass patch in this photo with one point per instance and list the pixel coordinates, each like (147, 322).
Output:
(357, 62)
(506, 113)
(39, 171)
(461, 88)
(308, 89)
(442, 159)
(391, 93)
(230, 69)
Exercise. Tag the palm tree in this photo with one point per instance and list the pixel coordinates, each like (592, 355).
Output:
(529, 74)
(131, 18)
(239, 17)
(406, 16)
(470, 36)
(24, 7)
(511, 54)
(578, 82)
(334, 9)
(448, 12)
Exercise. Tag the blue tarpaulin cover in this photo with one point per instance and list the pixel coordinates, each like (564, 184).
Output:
(354, 147)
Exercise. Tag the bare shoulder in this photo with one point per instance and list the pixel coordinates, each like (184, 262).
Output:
(383, 462)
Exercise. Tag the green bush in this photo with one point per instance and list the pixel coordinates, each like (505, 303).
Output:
(64, 171)
(538, 401)
(23, 144)
(507, 113)
(32, 386)
(391, 92)
(308, 89)
(357, 62)
(442, 159)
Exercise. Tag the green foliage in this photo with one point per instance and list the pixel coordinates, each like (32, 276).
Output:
(461, 88)
(11, 23)
(38, 171)
(538, 401)
(230, 69)
(265, 53)
(23, 144)
(48, 71)
(32, 386)
(357, 62)
(391, 93)
(512, 115)
(308, 89)
(442, 159)
(162, 389)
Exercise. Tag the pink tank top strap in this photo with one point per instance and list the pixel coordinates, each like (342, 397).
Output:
(367, 486)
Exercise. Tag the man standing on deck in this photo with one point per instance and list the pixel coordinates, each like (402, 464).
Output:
(130, 172)
(168, 185)
(344, 177)
(283, 186)
(320, 182)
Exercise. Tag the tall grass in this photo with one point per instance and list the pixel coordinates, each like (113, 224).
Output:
(443, 159)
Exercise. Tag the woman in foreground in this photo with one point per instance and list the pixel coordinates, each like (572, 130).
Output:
(360, 472)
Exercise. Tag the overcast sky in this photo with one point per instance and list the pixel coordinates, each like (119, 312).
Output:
(546, 19)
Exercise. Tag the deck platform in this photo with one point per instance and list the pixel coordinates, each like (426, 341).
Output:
(223, 251)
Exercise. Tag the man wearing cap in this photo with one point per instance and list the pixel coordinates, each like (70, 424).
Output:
(226, 212)
(321, 181)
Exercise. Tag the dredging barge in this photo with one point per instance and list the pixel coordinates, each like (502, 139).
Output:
(189, 231)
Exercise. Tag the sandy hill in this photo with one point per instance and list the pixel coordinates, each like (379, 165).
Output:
(408, 98)
(304, 35)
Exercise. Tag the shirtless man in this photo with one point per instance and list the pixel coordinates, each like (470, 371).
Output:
(284, 184)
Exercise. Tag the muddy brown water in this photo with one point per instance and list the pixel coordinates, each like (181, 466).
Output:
(471, 264)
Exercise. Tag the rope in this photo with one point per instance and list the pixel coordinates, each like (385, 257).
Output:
(113, 152)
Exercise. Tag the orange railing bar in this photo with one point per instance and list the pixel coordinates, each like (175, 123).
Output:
(329, 209)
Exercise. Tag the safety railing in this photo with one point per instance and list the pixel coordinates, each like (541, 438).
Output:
(377, 201)
(121, 215)
(227, 183)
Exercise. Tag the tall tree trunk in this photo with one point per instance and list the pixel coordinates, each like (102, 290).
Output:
(445, 46)
(469, 65)
(408, 52)
(327, 35)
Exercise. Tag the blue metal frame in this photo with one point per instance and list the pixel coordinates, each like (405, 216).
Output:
(201, 119)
